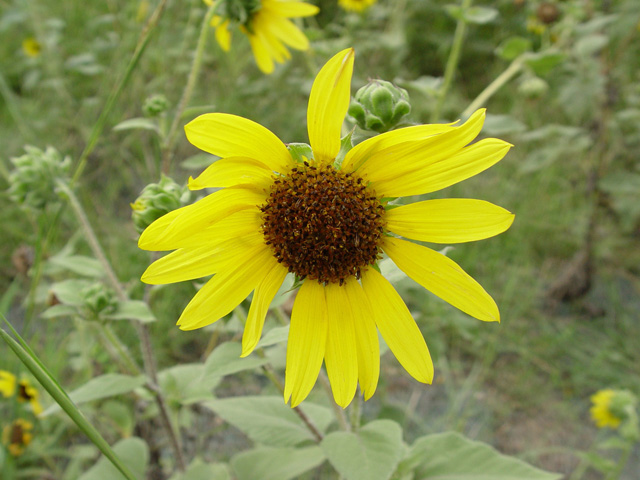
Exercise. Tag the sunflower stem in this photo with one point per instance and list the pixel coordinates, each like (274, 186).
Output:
(356, 412)
(452, 62)
(120, 349)
(142, 330)
(512, 70)
(337, 410)
(188, 89)
(143, 40)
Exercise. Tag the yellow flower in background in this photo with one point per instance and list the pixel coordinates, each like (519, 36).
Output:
(266, 23)
(601, 409)
(27, 393)
(356, 5)
(7, 384)
(17, 436)
(328, 222)
(31, 47)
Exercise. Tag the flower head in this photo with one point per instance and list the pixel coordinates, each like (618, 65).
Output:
(356, 5)
(611, 407)
(31, 47)
(17, 436)
(28, 393)
(328, 222)
(266, 23)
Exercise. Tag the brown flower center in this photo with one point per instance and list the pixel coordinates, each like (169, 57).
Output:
(322, 223)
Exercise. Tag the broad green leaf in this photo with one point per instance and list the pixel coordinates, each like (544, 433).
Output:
(103, 386)
(185, 384)
(120, 416)
(133, 310)
(513, 47)
(199, 161)
(372, 453)
(134, 454)
(269, 421)
(79, 264)
(225, 360)
(199, 470)
(69, 291)
(276, 463)
(477, 15)
(138, 123)
(451, 456)
(59, 311)
(273, 336)
(502, 125)
(543, 62)
(300, 152)
(591, 44)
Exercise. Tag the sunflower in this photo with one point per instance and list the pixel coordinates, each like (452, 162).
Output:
(7, 384)
(601, 411)
(17, 436)
(355, 5)
(327, 219)
(266, 23)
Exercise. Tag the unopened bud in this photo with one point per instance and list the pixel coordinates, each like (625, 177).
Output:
(155, 105)
(156, 200)
(533, 87)
(379, 106)
(98, 300)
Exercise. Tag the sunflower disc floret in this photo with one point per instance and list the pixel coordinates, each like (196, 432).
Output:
(322, 223)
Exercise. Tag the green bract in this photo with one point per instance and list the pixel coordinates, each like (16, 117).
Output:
(155, 105)
(98, 300)
(156, 200)
(380, 106)
(35, 175)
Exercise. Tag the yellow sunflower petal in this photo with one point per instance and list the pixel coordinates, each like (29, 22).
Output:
(451, 220)
(189, 263)
(262, 298)
(262, 54)
(7, 384)
(193, 219)
(397, 326)
(391, 169)
(328, 104)
(227, 289)
(290, 9)
(341, 358)
(223, 35)
(443, 277)
(465, 164)
(366, 338)
(307, 341)
(231, 171)
(362, 151)
(228, 135)
(287, 32)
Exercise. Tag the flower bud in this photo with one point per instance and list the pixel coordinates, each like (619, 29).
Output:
(98, 300)
(156, 200)
(155, 105)
(33, 180)
(379, 106)
(547, 13)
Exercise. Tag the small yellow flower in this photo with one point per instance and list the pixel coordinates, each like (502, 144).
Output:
(31, 47)
(601, 409)
(356, 5)
(17, 436)
(328, 222)
(266, 23)
(7, 384)
(27, 393)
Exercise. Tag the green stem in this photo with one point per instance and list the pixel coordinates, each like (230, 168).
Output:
(622, 462)
(142, 330)
(337, 410)
(356, 412)
(452, 62)
(143, 40)
(188, 89)
(109, 335)
(493, 87)
(49, 383)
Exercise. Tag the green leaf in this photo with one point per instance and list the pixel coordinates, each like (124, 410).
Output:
(480, 15)
(184, 383)
(103, 386)
(133, 310)
(276, 463)
(59, 311)
(199, 470)
(300, 152)
(513, 47)
(372, 453)
(502, 125)
(133, 452)
(269, 420)
(591, 44)
(79, 264)
(225, 360)
(543, 62)
(452, 456)
(273, 336)
(138, 123)
(199, 161)
(68, 291)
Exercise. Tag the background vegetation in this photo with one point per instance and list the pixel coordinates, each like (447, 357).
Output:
(561, 82)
